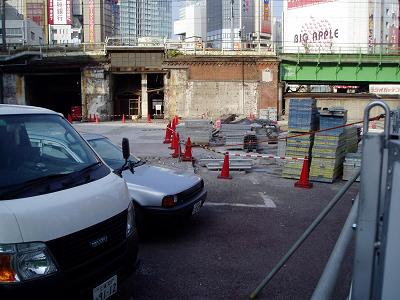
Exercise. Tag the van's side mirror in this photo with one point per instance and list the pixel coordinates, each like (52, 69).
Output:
(125, 148)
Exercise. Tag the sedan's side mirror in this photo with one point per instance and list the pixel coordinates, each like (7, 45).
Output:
(125, 149)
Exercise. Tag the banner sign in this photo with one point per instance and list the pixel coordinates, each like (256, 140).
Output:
(92, 36)
(60, 12)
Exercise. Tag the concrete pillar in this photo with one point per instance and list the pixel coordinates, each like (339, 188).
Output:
(145, 97)
(95, 86)
(14, 89)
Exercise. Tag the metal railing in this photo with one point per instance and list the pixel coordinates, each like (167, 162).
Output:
(59, 49)
(304, 236)
(201, 48)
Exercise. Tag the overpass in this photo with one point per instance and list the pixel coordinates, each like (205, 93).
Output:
(339, 68)
(117, 79)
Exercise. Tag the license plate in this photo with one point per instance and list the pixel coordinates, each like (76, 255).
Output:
(196, 208)
(106, 289)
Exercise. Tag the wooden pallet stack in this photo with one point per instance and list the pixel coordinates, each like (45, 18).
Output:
(302, 120)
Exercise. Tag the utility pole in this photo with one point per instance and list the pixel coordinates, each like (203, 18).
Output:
(232, 25)
(257, 23)
(241, 23)
(3, 24)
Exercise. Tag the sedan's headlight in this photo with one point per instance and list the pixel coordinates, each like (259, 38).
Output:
(130, 223)
(19, 262)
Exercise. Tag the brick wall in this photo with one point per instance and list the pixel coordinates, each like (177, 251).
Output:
(211, 87)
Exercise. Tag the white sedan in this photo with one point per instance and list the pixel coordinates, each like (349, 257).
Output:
(155, 191)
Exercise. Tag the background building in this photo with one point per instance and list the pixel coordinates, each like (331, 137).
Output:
(192, 23)
(340, 26)
(99, 20)
(236, 24)
(145, 18)
(19, 30)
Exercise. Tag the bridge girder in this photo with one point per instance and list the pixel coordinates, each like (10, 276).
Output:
(340, 68)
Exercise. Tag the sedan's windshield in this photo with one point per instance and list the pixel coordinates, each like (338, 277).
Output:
(40, 149)
(111, 153)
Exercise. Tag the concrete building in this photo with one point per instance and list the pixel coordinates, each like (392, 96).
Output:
(341, 26)
(65, 34)
(192, 23)
(238, 24)
(145, 18)
(21, 31)
(99, 20)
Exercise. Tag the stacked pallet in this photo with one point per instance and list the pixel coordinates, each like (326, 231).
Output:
(329, 146)
(234, 134)
(302, 119)
(199, 131)
(351, 165)
(351, 133)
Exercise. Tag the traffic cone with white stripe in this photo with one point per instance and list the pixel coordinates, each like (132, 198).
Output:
(188, 156)
(225, 168)
(304, 181)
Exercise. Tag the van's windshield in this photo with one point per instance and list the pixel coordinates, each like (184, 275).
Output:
(41, 154)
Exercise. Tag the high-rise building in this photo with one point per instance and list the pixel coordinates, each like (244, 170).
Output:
(145, 18)
(341, 26)
(237, 24)
(192, 23)
(99, 20)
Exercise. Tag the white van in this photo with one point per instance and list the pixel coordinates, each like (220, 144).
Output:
(66, 220)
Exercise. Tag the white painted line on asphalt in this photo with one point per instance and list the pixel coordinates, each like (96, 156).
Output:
(235, 205)
(268, 201)
(253, 180)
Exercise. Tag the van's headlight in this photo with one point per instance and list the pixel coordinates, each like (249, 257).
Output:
(130, 223)
(19, 262)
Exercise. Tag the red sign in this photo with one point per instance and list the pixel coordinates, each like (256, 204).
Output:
(266, 19)
(59, 12)
(92, 36)
(302, 3)
(50, 12)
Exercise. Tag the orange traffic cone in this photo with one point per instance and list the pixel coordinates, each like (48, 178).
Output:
(69, 118)
(90, 118)
(304, 179)
(123, 118)
(188, 156)
(225, 168)
(148, 118)
(97, 119)
(168, 134)
(177, 148)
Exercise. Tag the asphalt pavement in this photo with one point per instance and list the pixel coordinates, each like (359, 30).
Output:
(245, 227)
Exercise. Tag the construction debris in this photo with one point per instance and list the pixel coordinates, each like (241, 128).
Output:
(199, 131)
(234, 163)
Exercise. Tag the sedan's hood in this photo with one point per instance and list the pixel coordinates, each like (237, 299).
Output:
(149, 184)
